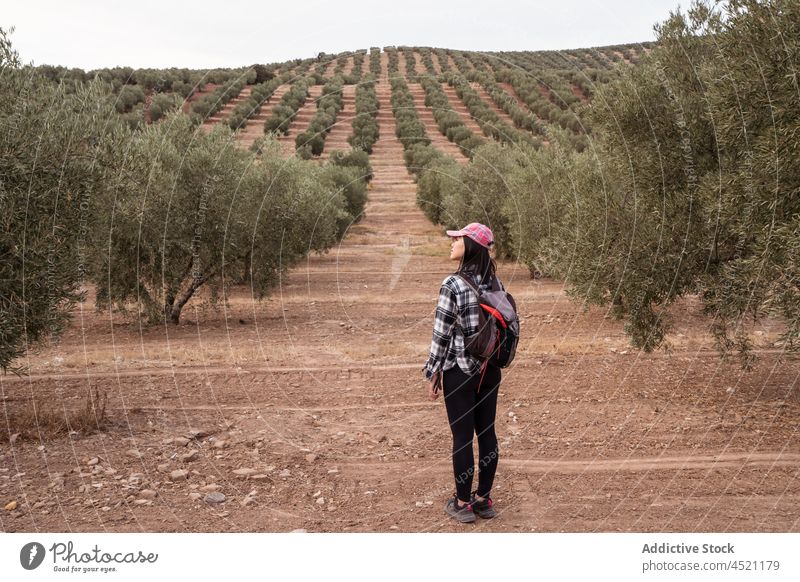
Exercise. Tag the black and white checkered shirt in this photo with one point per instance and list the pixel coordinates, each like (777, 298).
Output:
(457, 313)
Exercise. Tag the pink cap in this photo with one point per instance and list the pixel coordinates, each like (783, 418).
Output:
(478, 232)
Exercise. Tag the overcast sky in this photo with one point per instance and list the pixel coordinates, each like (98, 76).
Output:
(231, 33)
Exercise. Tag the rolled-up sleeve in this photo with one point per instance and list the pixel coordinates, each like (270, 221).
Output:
(444, 320)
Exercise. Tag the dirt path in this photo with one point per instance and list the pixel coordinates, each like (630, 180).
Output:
(308, 410)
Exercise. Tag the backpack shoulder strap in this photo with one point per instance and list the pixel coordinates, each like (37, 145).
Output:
(471, 285)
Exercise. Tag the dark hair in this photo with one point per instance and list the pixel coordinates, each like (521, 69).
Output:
(476, 260)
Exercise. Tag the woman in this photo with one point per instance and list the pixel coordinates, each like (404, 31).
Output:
(470, 392)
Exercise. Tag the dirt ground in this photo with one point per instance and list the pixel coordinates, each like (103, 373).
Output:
(308, 410)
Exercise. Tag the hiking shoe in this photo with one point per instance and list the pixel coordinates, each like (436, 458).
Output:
(464, 515)
(482, 508)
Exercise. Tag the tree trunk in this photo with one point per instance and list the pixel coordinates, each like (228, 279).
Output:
(185, 296)
(169, 301)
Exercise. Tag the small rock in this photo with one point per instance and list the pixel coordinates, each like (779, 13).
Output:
(214, 497)
(285, 473)
(148, 494)
(142, 502)
(190, 456)
(179, 475)
(311, 457)
(320, 501)
(180, 441)
(92, 461)
(249, 500)
(164, 467)
(198, 433)
(210, 487)
(299, 530)
(419, 504)
(244, 472)
(194, 496)
(11, 506)
(136, 454)
(220, 444)
(331, 507)
(332, 471)
(260, 477)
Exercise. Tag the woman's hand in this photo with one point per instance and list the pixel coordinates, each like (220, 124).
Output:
(434, 394)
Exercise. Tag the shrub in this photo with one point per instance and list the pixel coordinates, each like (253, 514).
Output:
(128, 97)
(440, 173)
(365, 124)
(284, 112)
(162, 104)
(354, 158)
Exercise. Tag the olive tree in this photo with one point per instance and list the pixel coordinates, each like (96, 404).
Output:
(186, 208)
(48, 176)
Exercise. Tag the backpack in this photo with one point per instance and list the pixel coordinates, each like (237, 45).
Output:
(497, 337)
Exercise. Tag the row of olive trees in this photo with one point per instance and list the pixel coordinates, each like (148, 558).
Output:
(149, 216)
(690, 185)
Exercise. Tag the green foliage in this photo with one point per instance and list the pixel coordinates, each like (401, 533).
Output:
(375, 61)
(691, 185)
(365, 124)
(186, 208)
(450, 123)
(128, 97)
(441, 179)
(355, 158)
(210, 104)
(252, 106)
(409, 129)
(283, 113)
(349, 183)
(312, 141)
(162, 104)
(48, 180)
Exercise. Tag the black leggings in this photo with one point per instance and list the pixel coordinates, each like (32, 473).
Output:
(470, 412)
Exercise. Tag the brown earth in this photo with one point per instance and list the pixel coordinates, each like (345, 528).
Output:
(318, 390)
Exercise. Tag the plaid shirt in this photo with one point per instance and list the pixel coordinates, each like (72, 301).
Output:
(458, 304)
